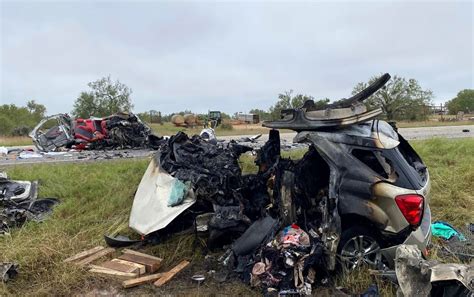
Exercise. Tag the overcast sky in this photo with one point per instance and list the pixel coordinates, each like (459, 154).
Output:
(230, 56)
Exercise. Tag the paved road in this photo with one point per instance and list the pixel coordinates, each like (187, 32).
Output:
(407, 133)
(286, 138)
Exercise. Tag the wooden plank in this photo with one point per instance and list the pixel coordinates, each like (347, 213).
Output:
(110, 272)
(98, 267)
(141, 268)
(141, 280)
(151, 265)
(170, 274)
(129, 251)
(96, 256)
(84, 254)
(120, 267)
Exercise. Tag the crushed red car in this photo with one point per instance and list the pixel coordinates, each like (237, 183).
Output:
(120, 130)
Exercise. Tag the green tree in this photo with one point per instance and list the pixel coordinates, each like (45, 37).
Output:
(106, 97)
(464, 101)
(287, 101)
(19, 120)
(400, 99)
(38, 111)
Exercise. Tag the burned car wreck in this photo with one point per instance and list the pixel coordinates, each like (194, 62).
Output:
(120, 130)
(358, 192)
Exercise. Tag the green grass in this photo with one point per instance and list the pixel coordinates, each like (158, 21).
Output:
(97, 197)
(451, 166)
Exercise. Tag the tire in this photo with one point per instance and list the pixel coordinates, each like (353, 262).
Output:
(359, 246)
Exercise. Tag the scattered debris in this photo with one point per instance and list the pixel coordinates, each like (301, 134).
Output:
(445, 231)
(119, 241)
(3, 151)
(84, 254)
(208, 134)
(454, 243)
(151, 263)
(140, 267)
(199, 278)
(121, 130)
(19, 203)
(95, 256)
(167, 276)
(122, 267)
(8, 271)
(214, 175)
(141, 280)
(111, 272)
(131, 266)
(29, 155)
(287, 263)
(252, 139)
(419, 277)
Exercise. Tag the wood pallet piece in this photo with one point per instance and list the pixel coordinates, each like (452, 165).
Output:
(110, 272)
(170, 274)
(133, 252)
(141, 268)
(95, 256)
(121, 267)
(151, 265)
(141, 280)
(84, 254)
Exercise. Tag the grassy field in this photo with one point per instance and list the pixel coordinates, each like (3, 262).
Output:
(96, 199)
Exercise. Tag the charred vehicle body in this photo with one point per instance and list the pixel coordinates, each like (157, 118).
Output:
(378, 187)
(121, 130)
(358, 192)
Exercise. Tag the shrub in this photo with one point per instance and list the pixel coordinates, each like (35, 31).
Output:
(227, 126)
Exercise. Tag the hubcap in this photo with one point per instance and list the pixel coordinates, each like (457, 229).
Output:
(360, 250)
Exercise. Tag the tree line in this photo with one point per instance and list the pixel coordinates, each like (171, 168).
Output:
(400, 99)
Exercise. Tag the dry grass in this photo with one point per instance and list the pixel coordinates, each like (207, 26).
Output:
(432, 123)
(96, 199)
(15, 140)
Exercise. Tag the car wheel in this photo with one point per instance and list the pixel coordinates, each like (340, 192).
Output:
(357, 247)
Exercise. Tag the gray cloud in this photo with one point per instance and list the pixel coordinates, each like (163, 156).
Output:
(229, 56)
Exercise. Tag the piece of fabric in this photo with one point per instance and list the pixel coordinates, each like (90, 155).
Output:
(445, 231)
(150, 210)
(293, 235)
(178, 191)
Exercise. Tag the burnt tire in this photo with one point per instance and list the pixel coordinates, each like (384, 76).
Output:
(359, 246)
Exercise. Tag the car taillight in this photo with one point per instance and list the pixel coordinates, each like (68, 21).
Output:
(411, 206)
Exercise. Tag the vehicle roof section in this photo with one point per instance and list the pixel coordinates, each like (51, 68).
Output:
(373, 134)
(342, 113)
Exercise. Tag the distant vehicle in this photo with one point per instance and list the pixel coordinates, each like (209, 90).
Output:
(214, 119)
(248, 118)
